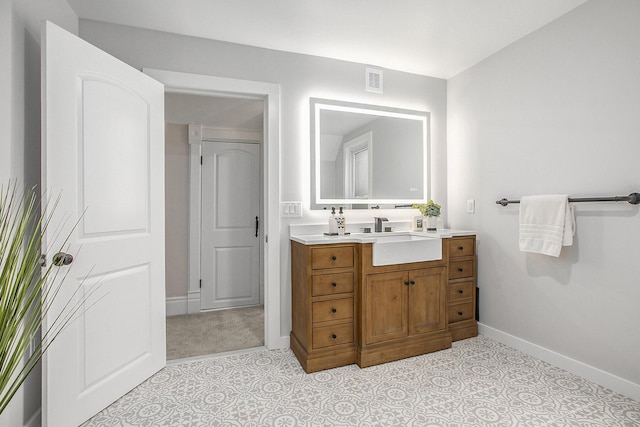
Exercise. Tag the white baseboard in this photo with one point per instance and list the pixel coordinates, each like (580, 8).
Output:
(282, 342)
(176, 306)
(591, 373)
(193, 302)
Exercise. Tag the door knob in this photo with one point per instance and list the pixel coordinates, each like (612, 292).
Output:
(62, 258)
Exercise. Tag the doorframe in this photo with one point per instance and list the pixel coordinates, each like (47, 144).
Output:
(351, 148)
(198, 84)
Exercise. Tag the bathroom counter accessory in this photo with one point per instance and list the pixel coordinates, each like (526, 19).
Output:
(633, 199)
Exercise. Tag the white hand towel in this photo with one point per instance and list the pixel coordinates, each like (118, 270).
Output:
(546, 224)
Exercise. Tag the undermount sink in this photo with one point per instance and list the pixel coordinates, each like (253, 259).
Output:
(405, 248)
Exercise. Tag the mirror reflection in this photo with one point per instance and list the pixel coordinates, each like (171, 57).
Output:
(367, 156)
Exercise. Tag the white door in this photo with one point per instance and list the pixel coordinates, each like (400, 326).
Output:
(103, 139)
(230, 225)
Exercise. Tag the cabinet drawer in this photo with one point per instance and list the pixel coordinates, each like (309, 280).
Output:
(460, 291)
(332, 257)
(332, 335)
(460, 269)
(459, 312)
(459, 247)
(332, 310)
(329, 284)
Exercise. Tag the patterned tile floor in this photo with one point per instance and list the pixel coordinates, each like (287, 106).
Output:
(478, 382)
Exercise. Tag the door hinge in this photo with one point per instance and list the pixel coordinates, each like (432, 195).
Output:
(200, 283)
(201, 160)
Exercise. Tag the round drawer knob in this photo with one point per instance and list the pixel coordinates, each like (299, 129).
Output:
(413, 282)
(333, 310)
(461, 270)
(334, 336)
(334, 284)
(334, 258)
(459, 313)
(460, 291)
(461, 248)
(406, 283)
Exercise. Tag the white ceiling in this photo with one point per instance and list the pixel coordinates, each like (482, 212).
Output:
(438, 38)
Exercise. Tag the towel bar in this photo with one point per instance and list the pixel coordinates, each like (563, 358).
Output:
(633, 199)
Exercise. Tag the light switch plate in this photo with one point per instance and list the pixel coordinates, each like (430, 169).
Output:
(471, 206)
(291, 209)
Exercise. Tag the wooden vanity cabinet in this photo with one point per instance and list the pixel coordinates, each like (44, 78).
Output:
(346, 310)
(462, 287)
(403, 310)
(323, 279)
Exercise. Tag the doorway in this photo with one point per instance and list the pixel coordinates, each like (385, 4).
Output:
(226, 311)
(178, 82)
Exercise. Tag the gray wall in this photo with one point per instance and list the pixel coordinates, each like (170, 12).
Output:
(20, 83)
(556, 112)
(176, 180)
(300, 77)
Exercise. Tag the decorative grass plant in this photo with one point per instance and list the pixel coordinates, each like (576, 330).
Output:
(26, 289)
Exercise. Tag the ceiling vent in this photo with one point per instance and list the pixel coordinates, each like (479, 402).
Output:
(373, 82)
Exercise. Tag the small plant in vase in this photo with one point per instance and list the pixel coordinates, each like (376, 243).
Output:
(431, 212)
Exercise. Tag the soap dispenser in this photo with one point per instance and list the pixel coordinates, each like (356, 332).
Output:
(340, 222)
(333, 224)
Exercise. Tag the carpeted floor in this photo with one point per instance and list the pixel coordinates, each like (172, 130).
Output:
(200, 334)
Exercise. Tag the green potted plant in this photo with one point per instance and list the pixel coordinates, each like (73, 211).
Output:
(430, 212)
(26, 291)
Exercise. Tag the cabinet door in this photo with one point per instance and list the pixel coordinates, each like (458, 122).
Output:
(385, 306)
(427, 300)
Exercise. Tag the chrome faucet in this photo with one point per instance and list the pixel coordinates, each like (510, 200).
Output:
(378, 226)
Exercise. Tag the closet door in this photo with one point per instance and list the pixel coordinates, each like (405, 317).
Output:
(230, 225)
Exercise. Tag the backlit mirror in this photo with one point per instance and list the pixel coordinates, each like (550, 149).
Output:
(367, 156)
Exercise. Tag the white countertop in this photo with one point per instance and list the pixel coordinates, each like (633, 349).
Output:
(320, 239)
